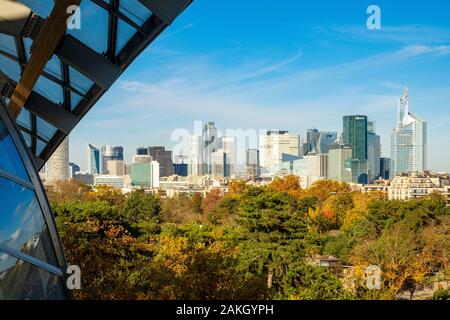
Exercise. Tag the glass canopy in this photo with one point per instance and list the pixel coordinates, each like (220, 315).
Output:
(113, 32)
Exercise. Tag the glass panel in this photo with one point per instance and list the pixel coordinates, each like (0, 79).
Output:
(22, 225)
(10, 160)
(41, 7)
(10, 68)
(27, 138)
(40, 146)
(94, 30)
(8, 44)
(50, 90)
(75, 100)
(27, 42)
(54, 67)
(79, 81)
(45, 129)
(135, 11)
(24, 119)
(124, 34)
(20, 280)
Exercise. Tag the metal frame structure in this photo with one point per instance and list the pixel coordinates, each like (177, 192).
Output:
(37, 187)
(20, 99)
(102, 69)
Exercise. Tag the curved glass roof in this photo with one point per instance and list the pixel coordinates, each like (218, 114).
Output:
(85, 64)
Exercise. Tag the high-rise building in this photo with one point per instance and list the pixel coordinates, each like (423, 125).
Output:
(93, 154)
(141, 151)
(164, 158)
(276, 144)
(57, 167)
(106, 154)
(145, 175)
(209, 145)
(338, 166)
(118, 153)
(385, 168)
(252, 163)
(223, 159)
(195, 155)
(180, 169)
(355, 134)
(317, 165)
(408, 140)
(73, 169)
(326, 139)
(115, 167)
(312, 140)
(373, 151)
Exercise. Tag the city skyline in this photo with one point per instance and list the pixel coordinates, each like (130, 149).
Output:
(294, 75)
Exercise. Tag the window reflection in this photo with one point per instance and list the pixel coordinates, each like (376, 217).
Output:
(22, 225)
(24, 281)
(10, 160)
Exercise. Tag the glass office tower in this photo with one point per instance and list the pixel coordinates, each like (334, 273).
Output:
(31, 256)
(355, 134)
(408, 140)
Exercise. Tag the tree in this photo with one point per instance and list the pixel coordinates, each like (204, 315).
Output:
(143, 212)
(197, 204)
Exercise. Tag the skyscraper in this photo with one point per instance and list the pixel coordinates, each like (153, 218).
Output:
(57, 167)
(118, 153)
(276, 145)
(164, 158)
(93, 154)
(223, 159)
(144, 172)
(373, 151)
(355, 135)
(408, 140)
(385, 168)
(106, 154)
(326, 139)
(338, 157)
(141, 151)
(73, 169)
(312, 140)
(195, 155)
(252, 163)
(209, 145)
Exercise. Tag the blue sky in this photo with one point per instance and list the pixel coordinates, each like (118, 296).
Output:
(286, 64)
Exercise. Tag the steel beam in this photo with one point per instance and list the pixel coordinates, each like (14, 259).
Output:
(167, 10)
(85, 60)
(50, 112)
(45, 45)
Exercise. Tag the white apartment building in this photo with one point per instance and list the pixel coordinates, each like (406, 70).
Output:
(415, 185)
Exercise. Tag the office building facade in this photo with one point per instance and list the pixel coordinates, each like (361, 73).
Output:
(408, 140)
(164, 158)
(93, 155)
(326, 139)
(385, 168)
(339, 169)
(355, 134)
(57, 166)
(276, 145)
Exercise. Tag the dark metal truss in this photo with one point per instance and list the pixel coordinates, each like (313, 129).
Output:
(102, 70)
